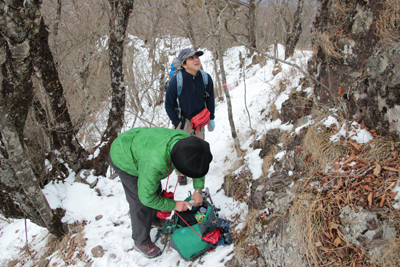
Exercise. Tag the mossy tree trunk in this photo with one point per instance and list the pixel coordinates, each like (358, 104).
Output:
(19, 28)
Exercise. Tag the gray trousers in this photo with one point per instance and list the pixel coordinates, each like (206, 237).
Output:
(141, 216)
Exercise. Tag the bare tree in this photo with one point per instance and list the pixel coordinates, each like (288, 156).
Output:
(251, 24)
(119, 16)
(214, 17)
(294, 35)
(60, 126)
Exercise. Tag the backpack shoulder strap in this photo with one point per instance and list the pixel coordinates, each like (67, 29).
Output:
(179, 82)
(205, 78)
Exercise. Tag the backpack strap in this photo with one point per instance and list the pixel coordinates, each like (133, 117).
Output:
(179, 85)
(205, 78)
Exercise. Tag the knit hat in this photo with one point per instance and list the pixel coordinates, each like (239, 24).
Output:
(187, 53)
(191, 156)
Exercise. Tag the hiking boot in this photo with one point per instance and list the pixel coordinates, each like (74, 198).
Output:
(150, 250)
(159, 223)
(183, 180)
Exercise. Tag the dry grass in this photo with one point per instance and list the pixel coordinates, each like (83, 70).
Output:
(268, 161)
(322, 151)
(306, 224)
(363, 175)
(381, 149)
(237, 185)
(328, 45)
(388, 25)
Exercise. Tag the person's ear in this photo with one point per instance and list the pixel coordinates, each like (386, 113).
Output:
(184, 65)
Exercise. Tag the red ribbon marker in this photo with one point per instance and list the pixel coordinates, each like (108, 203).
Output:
(227, 86)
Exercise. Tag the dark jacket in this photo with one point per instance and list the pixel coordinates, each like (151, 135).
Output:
(191, 98)
(145, 153)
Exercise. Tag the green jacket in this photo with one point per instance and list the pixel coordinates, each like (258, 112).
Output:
(145, 153)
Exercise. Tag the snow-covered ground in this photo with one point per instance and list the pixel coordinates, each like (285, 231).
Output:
(113, 230)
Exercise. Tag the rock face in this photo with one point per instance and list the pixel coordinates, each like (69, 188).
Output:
(356, 68)
(356, 71)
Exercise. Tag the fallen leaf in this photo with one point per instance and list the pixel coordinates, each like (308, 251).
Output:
(350, 159)
(366, 187)
(382, 201)
(355, 144)
(391, 185)
(341, 91)
(370, 199)
(337, 241)
(391, 169)
(325, 249)
(337, 166)
(392, 195)
(340, 184)
(332, 225)
(377, 169)
(318, 244)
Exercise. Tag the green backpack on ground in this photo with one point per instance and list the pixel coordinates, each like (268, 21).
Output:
(196, 231)
(186, 240)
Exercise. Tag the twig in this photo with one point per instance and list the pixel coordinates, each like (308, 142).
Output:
(26, 236)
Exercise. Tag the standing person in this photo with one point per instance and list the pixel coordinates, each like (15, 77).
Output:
(143, 157)
(194, 96)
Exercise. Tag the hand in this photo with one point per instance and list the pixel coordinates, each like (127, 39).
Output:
(198, 198)
(181, 205)
(211, 126)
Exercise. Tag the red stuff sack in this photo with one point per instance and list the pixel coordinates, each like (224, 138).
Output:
(200, 120)
(163, 214)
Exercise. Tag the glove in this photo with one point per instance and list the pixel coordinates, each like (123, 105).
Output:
(211, 126)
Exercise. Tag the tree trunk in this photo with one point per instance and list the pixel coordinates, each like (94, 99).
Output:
(119, 16)
(215, 26)
(252, 25)
(18, 182)
(61, 129)
(188, 28)
(19, 26)
(294, 36)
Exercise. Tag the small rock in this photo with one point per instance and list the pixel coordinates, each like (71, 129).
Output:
(97, 251)
(98, 217)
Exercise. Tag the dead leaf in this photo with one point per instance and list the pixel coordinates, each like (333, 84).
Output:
(377, 169)
(337, 241)
(370, 199)
(337, 166)
(392, 195)
(340, 184)
(341, 91)
(391, 169)
(332, 225)
(318, 244)
(366, 187)
(391, 185)
(325, 249)
(355, 144)
(350, 159)
(382, 201)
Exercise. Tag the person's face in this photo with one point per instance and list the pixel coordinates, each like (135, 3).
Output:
(192, 64)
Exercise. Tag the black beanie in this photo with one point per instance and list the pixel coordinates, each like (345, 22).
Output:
(191, 156)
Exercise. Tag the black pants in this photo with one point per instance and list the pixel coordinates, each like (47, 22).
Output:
(141, 216)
